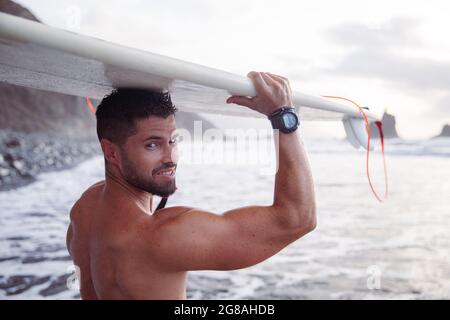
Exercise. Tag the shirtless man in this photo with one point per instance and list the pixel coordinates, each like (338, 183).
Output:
(124, 250)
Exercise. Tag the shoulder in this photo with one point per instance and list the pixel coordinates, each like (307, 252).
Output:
(180, 214)
(169, 215)
(87, 197)
(94, 188)
(149, 226)
(176, 222)
(92, 192)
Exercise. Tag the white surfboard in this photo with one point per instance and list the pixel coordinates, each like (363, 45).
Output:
(42, 57)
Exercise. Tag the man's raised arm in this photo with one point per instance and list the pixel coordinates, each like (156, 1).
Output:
(242, 237)
(294, 199)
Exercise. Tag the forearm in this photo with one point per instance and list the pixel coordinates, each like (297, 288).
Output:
(294, 198)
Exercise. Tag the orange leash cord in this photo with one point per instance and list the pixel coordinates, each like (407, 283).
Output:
(90, 105)
(379, 125)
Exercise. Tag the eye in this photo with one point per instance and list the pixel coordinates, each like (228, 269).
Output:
(176, 140)
(152, 145)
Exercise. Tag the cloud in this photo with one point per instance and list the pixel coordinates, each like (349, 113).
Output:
(395, 54)
(405, 72)
(443, 106)
(398, 32)
(389, 53)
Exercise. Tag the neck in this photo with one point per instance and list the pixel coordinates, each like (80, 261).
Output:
(115, 182)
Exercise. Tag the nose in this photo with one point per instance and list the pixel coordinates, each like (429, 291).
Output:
(170, 154)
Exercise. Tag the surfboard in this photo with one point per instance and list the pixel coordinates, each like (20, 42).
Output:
(38, 56)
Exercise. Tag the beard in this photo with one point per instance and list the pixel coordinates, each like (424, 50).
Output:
(144, 181)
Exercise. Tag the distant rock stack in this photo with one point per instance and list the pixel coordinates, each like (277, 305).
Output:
(445, 131)
(389, 127)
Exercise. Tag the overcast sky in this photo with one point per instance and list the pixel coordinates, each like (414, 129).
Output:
(392, 55)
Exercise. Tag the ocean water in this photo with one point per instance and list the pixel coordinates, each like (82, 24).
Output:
(361, 249)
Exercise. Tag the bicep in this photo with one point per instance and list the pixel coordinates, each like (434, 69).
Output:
(199, 240)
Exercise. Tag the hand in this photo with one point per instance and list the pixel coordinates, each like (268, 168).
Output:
(272, 93)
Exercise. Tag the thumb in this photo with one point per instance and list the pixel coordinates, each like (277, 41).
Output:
(243, 101)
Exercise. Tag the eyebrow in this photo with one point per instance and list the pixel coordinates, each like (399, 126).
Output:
(154, 138)
(160, 138)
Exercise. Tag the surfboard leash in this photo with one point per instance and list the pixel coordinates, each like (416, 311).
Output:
(90, 105)
(379, 125)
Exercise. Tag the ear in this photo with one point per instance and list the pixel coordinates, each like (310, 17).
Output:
(110, 151)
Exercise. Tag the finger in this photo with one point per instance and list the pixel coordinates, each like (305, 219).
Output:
(270, 80)
(278, 76)
(243, 101)
(284, 81)
(275, 78)
(258, 81)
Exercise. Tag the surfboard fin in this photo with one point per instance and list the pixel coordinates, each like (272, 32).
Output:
(355, 128)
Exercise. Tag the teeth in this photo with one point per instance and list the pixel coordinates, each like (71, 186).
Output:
(166, 173)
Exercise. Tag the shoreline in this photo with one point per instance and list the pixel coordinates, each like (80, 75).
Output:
(23, 156)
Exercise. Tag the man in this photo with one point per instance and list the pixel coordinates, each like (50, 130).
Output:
(124, 250)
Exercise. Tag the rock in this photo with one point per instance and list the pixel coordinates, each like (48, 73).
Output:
(445, 131)
(18, 238)
(67, 160)
(19, 165)
(21, 283)
(9, 158)
(32, 259)
(57, 286)
(13, 143)
(9, 258)
(15, 9)
(4, 172)
(389, 127)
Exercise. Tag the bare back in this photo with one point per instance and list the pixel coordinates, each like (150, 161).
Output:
(106, 242)
(125, 253)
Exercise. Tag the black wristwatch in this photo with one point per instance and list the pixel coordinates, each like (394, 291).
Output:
(285, 119)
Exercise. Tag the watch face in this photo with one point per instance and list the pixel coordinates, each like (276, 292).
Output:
(289, 120)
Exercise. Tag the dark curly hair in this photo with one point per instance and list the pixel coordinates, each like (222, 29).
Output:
(118, 111)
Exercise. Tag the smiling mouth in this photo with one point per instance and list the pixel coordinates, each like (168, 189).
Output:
(167, 173)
